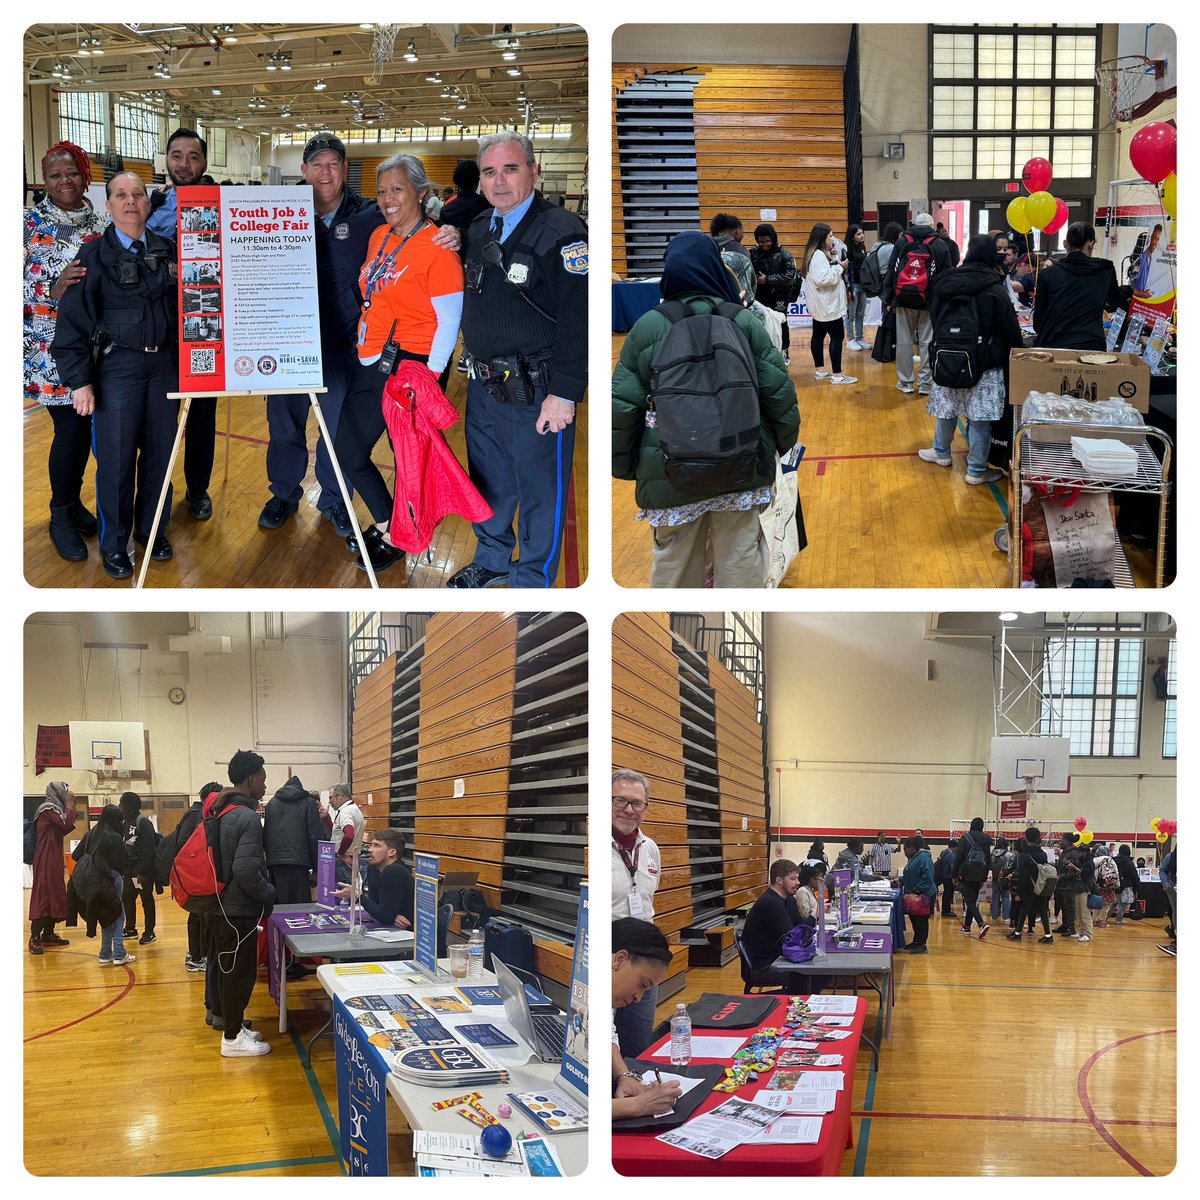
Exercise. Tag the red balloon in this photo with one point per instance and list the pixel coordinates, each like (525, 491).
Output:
(1152, 152)
(1060, 217)
(1081, 823)
(1036, 174)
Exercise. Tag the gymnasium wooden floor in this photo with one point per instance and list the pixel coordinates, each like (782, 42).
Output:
(133, 1039)
(1015, 1059)
(875, 514)
(230, 550)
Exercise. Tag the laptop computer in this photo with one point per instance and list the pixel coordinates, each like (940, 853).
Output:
(542, 1026)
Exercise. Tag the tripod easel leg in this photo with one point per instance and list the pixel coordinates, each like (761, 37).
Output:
(337, 470)
(228, 430)
(162, 495)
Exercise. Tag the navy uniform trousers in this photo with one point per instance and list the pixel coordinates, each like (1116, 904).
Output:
(524, 475)
(133, 430)
(287, 429)
(199, 445)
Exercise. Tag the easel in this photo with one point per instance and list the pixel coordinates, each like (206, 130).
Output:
(187, 398)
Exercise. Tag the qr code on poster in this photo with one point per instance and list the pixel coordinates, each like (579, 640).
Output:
(204, 362)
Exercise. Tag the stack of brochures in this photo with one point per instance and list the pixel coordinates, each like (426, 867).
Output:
(448, 1066)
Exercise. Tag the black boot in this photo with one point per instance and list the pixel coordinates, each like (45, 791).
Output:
(64, 535)
(85, 521)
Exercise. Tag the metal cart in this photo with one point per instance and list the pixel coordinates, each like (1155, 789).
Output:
(1051, 464)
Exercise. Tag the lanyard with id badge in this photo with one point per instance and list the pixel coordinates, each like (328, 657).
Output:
(636, 907)
(375, 273)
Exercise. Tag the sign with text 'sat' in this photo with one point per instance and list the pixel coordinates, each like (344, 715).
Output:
(248, 315)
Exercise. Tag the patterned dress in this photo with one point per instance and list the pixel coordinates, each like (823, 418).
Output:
(52, 240)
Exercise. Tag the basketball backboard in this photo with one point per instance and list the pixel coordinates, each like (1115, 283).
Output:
(1045, 760)
(97, 745)
(1157, 42)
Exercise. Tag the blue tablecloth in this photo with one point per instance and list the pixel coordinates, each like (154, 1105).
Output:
(897, 923)
(630, 301)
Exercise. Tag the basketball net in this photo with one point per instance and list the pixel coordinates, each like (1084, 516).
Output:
(383, 51)
(1119, 79)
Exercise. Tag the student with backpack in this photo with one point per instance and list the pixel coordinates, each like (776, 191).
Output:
(52, 821)
(972, 861)
(856, 295)
(141, 840)
(103, 867)
(1003, 861)
(824, 291)
(1127, 873)
(699, 482)
(168, 850)
(1108, 882)
(1035, 878)
(974, 327)
(919, 257)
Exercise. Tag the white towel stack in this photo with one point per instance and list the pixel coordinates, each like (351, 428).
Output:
(1105, 457)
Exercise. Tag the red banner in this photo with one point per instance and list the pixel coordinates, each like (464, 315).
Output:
(1013, 810)
(53, 747)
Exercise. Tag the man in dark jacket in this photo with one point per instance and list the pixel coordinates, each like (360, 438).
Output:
(291, 830)
(913, 323)
(972, 861)
(246, 901)
(771, 918)
(946, 877)
(1080, 873)
(467, 203)
(1030, 856)
(140, 842)
(1064, 890)
(775, 273)
(1127, 872)
(388, 890)
(1071, 300)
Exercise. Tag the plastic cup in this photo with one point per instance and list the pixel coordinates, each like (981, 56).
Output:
(458, 961)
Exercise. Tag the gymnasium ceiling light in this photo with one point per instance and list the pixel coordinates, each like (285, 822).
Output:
(1009, 616)
(320, 85)
(410, 55)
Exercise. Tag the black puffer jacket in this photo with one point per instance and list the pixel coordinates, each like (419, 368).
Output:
(779, 267)
(996, 313)
(292, 827)
(241, 863)
(1029, 858)
(1071, 300)
(1127, 869)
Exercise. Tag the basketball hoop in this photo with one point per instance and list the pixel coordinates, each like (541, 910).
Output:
(1119, 79)
(106, 774)
(383, 50)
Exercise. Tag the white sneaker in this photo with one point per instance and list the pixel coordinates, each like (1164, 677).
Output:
(844, 379)
(120, 962)
(243, 1046)
(821, 374)
(904, 387)
(930, 455)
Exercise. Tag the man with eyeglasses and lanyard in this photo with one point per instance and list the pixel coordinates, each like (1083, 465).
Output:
(636, 867)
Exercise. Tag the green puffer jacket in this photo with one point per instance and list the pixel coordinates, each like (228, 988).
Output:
(636, 452)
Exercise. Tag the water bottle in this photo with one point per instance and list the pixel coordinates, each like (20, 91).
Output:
(475, 954)
(681, 1037)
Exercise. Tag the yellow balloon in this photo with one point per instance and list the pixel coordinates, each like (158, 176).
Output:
(1086, 837)
(1018, 215)
(1168, 196)
(1160, 838)
(1154, 824)
(1041, 209)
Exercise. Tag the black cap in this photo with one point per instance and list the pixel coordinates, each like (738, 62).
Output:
(321, 143)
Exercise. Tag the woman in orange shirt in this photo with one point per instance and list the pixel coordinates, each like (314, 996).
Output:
(412, 292)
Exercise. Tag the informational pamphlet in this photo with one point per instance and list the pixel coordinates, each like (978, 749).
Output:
(792, 1131)
(722, 1129)
(707, 1046)
(799, 1100)
(552, 1109)
(484, 1035)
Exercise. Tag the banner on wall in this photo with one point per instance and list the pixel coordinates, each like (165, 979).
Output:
(248, 316)
(362, 1097)
(53, 747)
(1013, 810)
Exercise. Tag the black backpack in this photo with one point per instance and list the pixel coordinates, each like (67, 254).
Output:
(511, 944)
(870, 274)
(704, 395)
(958, 347)
(975, 865)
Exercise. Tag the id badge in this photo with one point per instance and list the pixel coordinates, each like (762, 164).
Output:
(636, 908)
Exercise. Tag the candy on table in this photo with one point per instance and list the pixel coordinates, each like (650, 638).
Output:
(504, 1110)
(440, 1104)
(474, 1118)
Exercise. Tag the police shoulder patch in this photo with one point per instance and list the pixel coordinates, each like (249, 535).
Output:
(575, 258)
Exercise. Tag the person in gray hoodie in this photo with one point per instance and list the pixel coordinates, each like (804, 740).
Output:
(291, 829)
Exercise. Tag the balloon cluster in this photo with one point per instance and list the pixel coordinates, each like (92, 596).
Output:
(1163, 829)
(1038, 210)
(1152, 153)
(1085, 838)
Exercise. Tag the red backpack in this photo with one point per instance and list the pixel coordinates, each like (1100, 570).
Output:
(196, 881)
(917, 268)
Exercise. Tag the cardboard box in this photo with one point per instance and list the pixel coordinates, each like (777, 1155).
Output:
(1127, 379)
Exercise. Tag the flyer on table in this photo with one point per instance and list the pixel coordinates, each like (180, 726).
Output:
(248, 290)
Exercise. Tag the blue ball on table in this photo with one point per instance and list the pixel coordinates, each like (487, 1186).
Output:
(495, 1141)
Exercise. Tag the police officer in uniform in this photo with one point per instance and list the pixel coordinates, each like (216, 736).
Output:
(187, 161)
(525, 331)
(115, 348)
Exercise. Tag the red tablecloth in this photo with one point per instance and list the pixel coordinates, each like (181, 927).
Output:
(644, 1154)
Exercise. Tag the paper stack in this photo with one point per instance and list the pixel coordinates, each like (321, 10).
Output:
(1105, 457)
(448, 1066)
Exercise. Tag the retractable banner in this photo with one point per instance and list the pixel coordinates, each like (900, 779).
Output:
(425, 879)
(248, 315)
(575, 1052)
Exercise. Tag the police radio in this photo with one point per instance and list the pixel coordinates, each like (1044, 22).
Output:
(387, 358)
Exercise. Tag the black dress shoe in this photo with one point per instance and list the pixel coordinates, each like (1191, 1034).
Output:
(381, 553)
(85, 521)
(275, 512)
(163, 550)
(373, 536)
(118, 565)
(475, 576)
(200, 507)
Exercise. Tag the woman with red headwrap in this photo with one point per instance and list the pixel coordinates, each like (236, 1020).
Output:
(55, 228)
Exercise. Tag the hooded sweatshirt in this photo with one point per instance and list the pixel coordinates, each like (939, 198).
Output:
(996, 314)
(777, 264)
(1071, 300)
(292, 827)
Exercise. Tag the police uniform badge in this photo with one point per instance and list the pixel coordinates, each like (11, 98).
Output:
(341, 231)
(575, 258)
(518, 273)
(171, 268)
